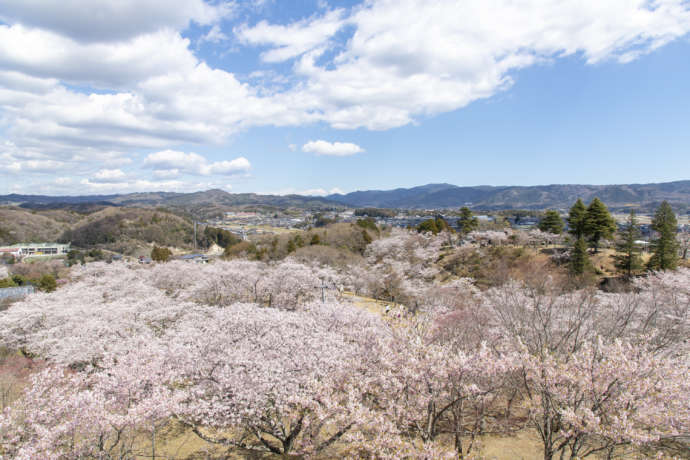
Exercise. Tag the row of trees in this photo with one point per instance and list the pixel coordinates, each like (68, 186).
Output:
(590, 224)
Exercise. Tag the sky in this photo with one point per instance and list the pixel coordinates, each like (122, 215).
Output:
(317, 97)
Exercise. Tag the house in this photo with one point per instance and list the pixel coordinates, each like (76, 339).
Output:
(198, 258)
(9, 251)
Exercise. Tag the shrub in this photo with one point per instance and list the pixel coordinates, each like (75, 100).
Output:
(47, 283)
(160, 254)
(7, 282)
(368, 223)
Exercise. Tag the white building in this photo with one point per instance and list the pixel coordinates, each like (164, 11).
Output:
(37, 249)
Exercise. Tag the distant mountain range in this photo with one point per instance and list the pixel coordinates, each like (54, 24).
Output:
(513, 197)
(189, 201)
(431, 196)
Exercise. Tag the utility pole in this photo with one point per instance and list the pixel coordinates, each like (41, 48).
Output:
(194, 235)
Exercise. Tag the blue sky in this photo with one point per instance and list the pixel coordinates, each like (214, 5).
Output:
(315, 96)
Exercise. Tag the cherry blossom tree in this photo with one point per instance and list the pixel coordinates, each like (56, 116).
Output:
(434, 385)
(604, 396)
(98, 413)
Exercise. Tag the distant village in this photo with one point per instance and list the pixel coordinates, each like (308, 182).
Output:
(246, 224)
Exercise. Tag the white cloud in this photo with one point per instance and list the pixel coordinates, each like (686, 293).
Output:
(45, 54)
(313, 192)
(236, 166)
(112, 20)
(214, 35)
(294, 39)
(109, 176)
(41, 166)
(292, 147)
(307, 192)
(166, 173)
(173, 159)
(320, 192)
(63, 181)
(339, 149)
(138, 185)
(171, 162)
(407, 58)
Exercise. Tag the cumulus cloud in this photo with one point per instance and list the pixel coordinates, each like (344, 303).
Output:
(112, 20)
(406, 58)
(44, 54)
(339, 149)
(169, 163)
(289, 41)
(109, 175)
(236, 166)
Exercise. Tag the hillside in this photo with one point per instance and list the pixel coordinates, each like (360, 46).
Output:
(203, 203)
(645, 196)
(21, 225)
(128, 230)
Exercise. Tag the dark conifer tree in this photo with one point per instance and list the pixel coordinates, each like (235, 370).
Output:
(665, 246)
(579, 258)
(628, 259)
(467, 221)
(576, 219)
(598, 223)
(551, 222)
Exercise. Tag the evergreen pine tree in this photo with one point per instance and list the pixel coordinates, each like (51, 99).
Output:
(551, 222)
(665, 247)
(628, 259)
(579, 259)
(598, 223)
(467, 222)
(576, 219)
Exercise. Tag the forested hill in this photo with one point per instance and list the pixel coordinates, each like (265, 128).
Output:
(209, 200)
(527, 197)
